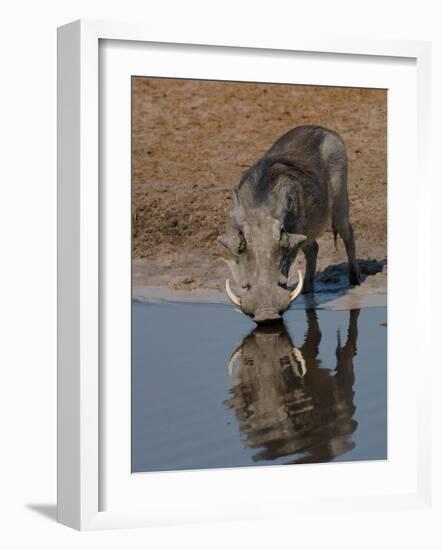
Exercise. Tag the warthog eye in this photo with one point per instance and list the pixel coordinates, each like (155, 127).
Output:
(284, 241)
(242, 243)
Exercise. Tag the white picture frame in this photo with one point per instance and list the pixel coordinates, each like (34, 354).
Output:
(81, 294)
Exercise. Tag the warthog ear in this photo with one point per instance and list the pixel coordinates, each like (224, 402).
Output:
(295, 239)
(237, 213)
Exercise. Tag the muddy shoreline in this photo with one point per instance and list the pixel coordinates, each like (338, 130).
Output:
(332, 290)
(159, 294)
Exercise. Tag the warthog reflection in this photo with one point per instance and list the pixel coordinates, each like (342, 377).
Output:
(285, 403)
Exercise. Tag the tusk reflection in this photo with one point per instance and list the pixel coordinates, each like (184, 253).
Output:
(234, 357)
(301, 361)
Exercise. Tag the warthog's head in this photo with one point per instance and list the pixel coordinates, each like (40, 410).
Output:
(260, 250)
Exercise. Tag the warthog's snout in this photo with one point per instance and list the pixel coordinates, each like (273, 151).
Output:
(265, 304)
(266, 316)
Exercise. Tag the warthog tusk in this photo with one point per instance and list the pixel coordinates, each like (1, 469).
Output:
(232, 296)
(299, 357)
(295, 293)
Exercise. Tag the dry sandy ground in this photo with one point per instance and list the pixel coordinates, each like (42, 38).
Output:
(192, 141)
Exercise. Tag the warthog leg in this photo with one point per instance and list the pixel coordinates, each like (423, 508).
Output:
(311, 254)
(353, 268)
(337, 181)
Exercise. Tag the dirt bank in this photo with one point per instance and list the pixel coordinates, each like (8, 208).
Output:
(192, 140)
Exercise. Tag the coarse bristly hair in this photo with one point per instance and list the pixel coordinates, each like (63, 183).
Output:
(263, 176)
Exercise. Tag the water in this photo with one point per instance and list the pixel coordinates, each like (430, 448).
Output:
(211, 391)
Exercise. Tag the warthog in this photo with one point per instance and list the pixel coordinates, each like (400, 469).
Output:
(283, 203)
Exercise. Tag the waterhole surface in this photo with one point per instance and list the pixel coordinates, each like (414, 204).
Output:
(210, 390)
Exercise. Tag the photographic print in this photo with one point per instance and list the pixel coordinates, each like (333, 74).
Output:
(259, 274)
